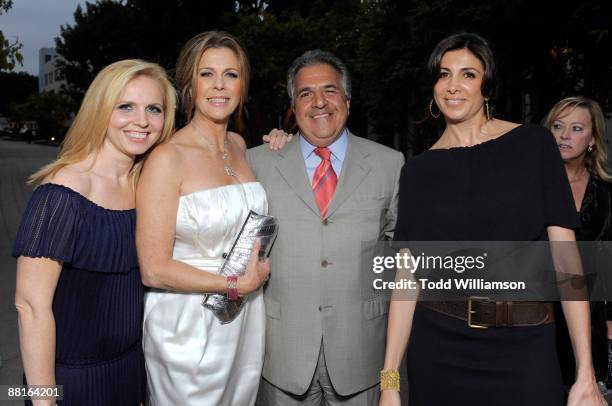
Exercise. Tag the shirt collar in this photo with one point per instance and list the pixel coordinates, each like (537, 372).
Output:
(337, 148)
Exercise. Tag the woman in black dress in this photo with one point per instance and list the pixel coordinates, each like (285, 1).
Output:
(79, 296)
(484, 180)
(578, 125)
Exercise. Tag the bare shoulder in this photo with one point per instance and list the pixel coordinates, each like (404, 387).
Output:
(162, 172)
(74, 176)
(237, 140)
(165, 155)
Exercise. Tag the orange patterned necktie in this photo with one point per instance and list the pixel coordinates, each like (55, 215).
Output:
(324, 180)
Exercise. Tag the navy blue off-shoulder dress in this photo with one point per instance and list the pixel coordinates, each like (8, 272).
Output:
(98, 302)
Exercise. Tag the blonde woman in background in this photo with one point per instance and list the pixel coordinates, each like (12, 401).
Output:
(193, 197)
(579, 128)
(79, 295)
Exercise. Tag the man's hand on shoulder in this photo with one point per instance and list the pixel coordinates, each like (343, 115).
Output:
(276, 139)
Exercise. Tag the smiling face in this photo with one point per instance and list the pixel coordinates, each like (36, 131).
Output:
(320, 105)
(573, 132)
(137, 119)
(458, 91)
(218, 84)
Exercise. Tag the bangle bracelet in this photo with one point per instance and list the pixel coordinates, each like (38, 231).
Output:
(389, 380)
(232, 288)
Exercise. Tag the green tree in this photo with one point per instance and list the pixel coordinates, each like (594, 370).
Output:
(545, 50)
(50, 110)
(109, 30)
(274, 33)
(9, 51)
(103, 32)
(16, 88)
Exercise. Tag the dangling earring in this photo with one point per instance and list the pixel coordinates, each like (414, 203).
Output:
(487, 111)
(590, 148)
(431, 111)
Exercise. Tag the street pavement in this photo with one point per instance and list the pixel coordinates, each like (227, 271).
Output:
(18, 160)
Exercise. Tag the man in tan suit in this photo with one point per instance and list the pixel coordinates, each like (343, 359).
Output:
(335, 196)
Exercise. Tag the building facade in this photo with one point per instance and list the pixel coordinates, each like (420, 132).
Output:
(49, 78)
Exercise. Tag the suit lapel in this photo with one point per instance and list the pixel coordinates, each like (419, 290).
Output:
(354, 171)
(292, 168)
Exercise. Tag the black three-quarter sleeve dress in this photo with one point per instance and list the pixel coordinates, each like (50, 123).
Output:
(595, 225)
(98, 302)
(507, 189)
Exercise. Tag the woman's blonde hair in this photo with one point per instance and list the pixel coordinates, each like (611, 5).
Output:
(88, 130)
(596, 160)
(187, 70)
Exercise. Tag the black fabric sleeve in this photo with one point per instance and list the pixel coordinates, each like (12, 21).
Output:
(559, 207)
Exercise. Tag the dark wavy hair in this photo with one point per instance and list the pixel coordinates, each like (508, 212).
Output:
(478, 46)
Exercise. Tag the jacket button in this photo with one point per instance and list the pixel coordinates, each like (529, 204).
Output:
(320, 308)
(324, 263)
(325, 222)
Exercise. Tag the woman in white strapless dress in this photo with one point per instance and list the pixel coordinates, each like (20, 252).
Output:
(193, 197)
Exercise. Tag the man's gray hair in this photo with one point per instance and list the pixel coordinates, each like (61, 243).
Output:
(318, 57)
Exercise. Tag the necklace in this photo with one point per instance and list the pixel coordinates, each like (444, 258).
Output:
(227, 167)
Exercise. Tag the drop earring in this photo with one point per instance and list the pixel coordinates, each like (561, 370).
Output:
(431, 102)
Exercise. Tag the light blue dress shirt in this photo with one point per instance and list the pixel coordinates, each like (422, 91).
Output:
(312, 160)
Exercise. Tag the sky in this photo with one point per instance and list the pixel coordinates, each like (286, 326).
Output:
(35, 23)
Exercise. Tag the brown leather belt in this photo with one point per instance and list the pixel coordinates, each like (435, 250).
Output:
(480, 312)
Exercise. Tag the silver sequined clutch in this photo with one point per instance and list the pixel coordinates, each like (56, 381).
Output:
(255, 226)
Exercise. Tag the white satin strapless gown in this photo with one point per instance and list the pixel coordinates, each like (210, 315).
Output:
(191, 358)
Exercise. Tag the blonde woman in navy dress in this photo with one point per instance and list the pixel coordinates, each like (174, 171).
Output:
(79, 297)
(193, 196)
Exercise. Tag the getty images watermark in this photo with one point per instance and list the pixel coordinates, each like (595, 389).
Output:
(499, 270)
(448, 263)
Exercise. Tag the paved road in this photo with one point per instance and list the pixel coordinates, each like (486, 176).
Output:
(17, 161)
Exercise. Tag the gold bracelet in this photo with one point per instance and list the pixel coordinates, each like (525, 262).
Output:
(389, 380)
